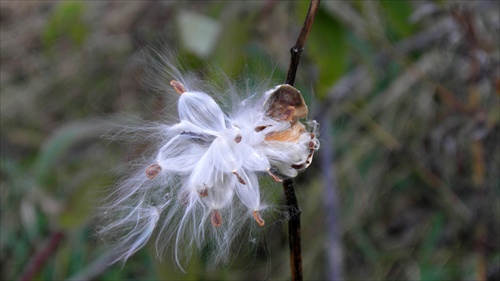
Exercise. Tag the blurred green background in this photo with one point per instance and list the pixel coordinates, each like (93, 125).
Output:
(405, 186)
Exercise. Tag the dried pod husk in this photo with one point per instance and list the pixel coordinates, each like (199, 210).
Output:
(284, 103)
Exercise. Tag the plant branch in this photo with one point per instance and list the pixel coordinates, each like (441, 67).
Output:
(298, 47)
(41, 257)
(288, 186)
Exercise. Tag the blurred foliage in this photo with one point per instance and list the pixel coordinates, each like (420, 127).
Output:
(66, 22)
(411, 88)
(327, 49)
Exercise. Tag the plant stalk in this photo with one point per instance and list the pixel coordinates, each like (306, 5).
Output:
(288, 186)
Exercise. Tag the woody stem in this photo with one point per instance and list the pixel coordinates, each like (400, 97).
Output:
(288, 186)
(298, 47)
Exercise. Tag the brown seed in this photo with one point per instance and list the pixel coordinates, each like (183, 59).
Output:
(178, 87)
(240, 179)
(152, 171)
(216, 218)
(258, 218)
(299, 166)
(261, 128)
(203, 192)
(312, 144)
(275, 177)
(238, 138)
(309, 158)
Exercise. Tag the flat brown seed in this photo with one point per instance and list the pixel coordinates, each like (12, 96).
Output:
(178, 87)
(258, 218)
(312, 145)
(216, 218)
(238, 138)
(203, 192)
(275, 177)
(152, 171)
(299, 166)
(240, 179)
(309, 158)
(261, 128)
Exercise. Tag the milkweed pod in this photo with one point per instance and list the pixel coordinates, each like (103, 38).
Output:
(284, 102)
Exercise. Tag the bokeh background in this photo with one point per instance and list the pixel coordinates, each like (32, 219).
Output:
(405, 186)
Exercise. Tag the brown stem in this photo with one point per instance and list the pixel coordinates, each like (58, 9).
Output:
(288, 186)
(298, 47)
(293, 230)
(41, 257)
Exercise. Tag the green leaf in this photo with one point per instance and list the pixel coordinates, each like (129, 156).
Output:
(398, 13)
(429, 270)
(235, 36)
(436, 230)
(66, 22)
(61, 141)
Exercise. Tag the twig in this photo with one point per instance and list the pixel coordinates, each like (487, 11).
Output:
(42, 256)
(288, 186)
(293, 231)
(298, 47)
